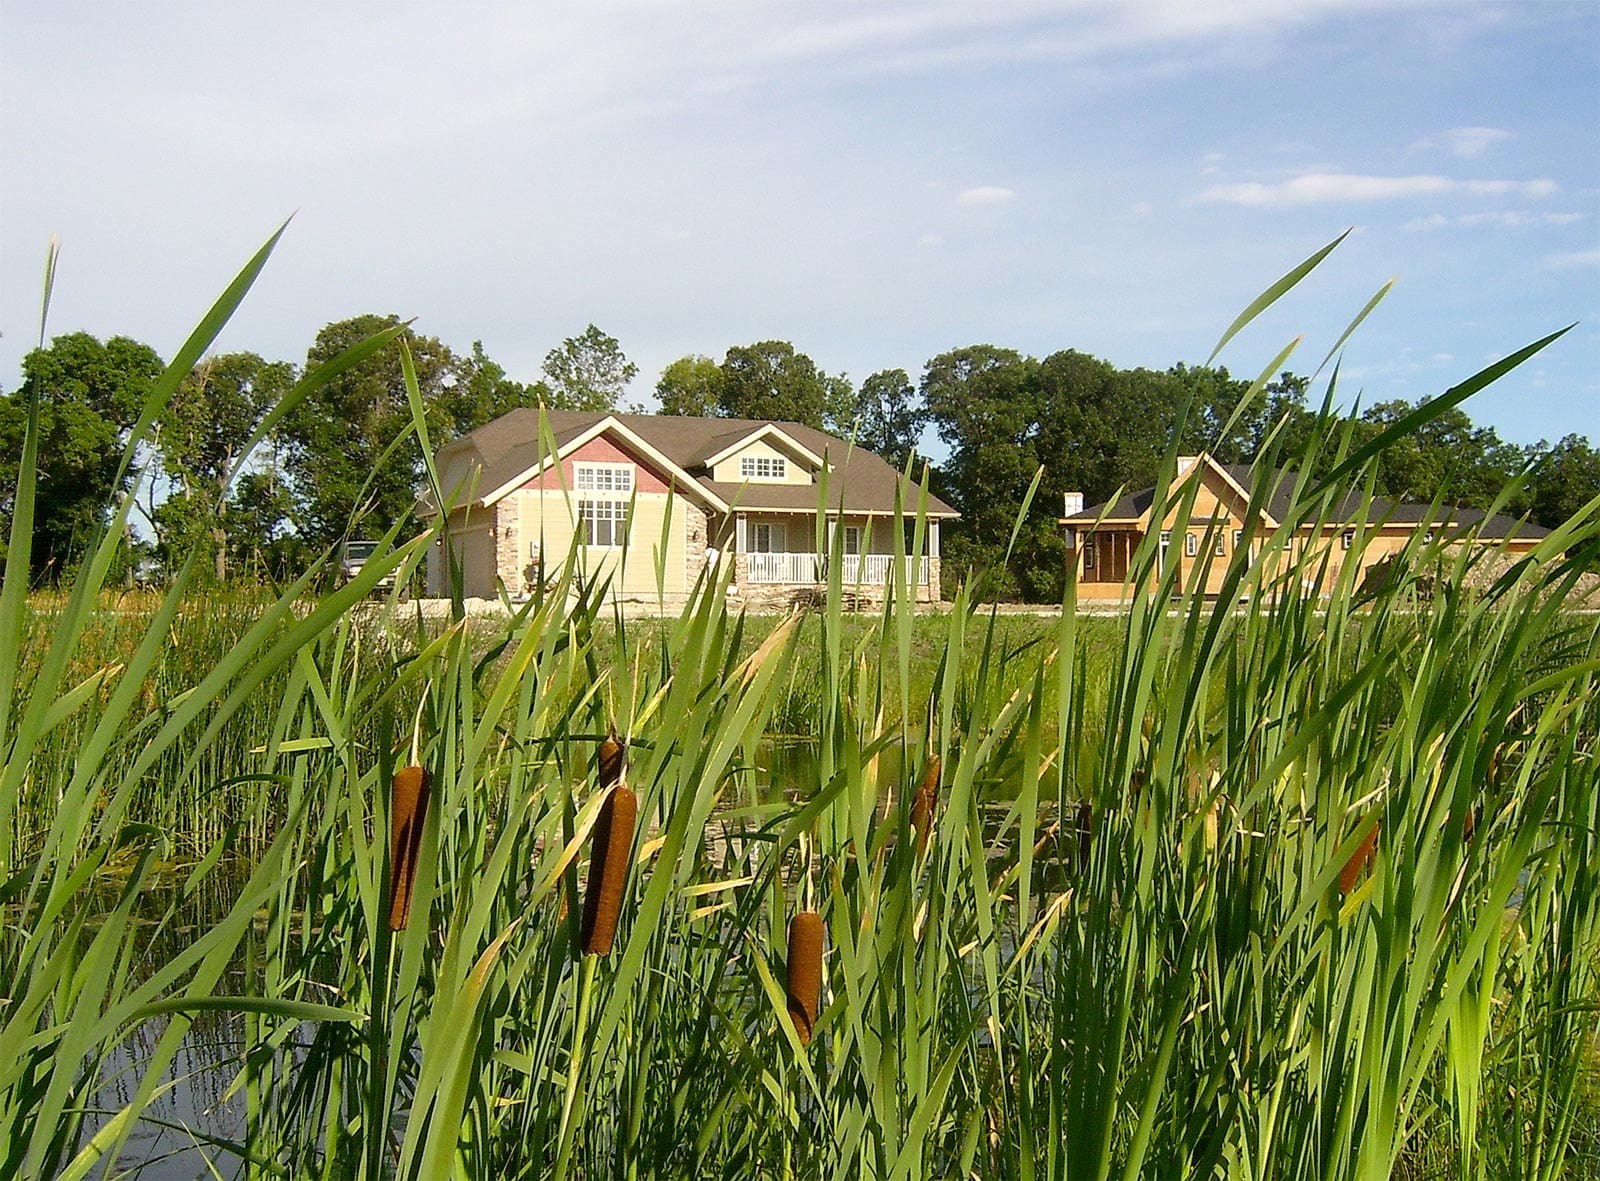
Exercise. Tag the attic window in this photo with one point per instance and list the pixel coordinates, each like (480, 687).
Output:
(604, 477)
(763, 467)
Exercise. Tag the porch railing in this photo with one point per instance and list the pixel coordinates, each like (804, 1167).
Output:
(809, 569)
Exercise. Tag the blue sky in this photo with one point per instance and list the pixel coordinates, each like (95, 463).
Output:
(876, 183)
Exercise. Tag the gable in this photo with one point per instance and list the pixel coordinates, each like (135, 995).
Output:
(604, 452)
(761, 459)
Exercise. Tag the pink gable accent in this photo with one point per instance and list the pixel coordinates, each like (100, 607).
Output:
(601, 449)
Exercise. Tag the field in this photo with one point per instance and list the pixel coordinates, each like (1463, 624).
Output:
(1273, 886)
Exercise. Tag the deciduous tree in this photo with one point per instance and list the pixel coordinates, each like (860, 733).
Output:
(588, 372)
(89, 394)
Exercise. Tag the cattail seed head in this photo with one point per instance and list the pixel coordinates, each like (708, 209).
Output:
(610, 761)
(408, 810)
(1359, 860)
(924, 803)
(611, 844)
(804, 988)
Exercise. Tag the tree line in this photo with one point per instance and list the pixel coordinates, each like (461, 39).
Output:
(344, 457)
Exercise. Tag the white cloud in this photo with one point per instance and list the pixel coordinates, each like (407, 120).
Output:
(1315, 188)
(1442, 357)
(1507, 218)
(1541, 187)
(1573, 258)
(1318, 187)
(986, 195)
(1467, 142)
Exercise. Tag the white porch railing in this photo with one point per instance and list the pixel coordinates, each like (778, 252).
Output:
(809, 569)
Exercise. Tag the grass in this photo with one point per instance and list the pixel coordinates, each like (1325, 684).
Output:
(1170, 974)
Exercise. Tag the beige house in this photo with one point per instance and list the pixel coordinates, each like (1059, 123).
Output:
(648, 502)
(1101, 539)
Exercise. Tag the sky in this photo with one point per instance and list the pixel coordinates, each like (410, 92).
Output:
(875, 182)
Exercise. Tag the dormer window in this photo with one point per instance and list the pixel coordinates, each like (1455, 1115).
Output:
(763, 467)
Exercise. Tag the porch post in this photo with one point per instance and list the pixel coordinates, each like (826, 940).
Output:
(741, 562)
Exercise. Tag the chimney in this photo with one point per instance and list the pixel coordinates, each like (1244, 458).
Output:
(1072, 503)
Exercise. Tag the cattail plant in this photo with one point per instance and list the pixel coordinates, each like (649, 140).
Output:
(923, 805)
(1359, 860)
(608, 863)
(804, 985)
(408, 810)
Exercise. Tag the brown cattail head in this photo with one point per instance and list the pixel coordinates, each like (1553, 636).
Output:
(1359, 860)
(608, 869)
(408, 810)
(1083, 825)
(804, 988)
(609, 771)
(923, 804)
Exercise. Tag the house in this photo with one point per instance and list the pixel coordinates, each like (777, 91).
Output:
(1101, 540)
(649, 501)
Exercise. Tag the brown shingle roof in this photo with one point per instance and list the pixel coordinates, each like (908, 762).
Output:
(1347, 509)
(511, 445)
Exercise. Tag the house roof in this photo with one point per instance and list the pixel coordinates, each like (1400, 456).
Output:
(1347, 509)
(510, 449)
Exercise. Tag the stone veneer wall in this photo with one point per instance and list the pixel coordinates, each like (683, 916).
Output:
(509, 560)
(694, 541)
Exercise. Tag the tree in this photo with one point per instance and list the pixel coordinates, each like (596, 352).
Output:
(840, 403)
(1448, 457)
(1567, 478)
(891, 419)
(338, 437)
(691, 386)
(981, 400)
(487, 393)
(89, 395)
(588, 372)
(771, 380)
(213, 413)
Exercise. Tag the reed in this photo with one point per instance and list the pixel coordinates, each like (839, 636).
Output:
(1179, 984)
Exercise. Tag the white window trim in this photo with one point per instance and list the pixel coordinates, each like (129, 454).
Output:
(1191, 545)
(763, 467)
(774, 534)
(855, 533)
(603, 477)
(599, 517)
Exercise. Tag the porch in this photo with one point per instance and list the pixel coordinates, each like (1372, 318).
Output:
(810, 569)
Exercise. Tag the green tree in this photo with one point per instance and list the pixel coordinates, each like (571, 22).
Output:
(691, 386)
(588, 372)
(891, 418)
(982, 401)
(840, 403)
(338, 437)
(770, 379)
(203, 431)
(487, 393)
(89, 394)
(1449, 457)
(1567, 478)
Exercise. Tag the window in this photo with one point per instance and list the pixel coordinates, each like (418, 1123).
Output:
(852, 539)
(1088, 554)
(763, 467)
(1427, 538)
(766, 538)
(603, 522)
(1347, 539)
(1166, 538)
(604, 477)
(1222, 543)
(1238, 539)
(1191, 545)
